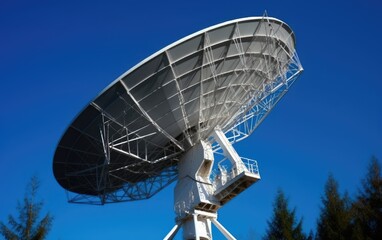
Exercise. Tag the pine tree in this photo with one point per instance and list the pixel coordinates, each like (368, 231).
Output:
(283, 225)
(335, 217)
(28, 227)
(368, 205)
(310, 236)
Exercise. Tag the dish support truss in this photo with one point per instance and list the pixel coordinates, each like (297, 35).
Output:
(259, 104)
(114, 135)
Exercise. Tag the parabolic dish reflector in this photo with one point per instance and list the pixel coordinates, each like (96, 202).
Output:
(126, 143)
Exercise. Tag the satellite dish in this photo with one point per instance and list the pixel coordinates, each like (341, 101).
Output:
(171, 115)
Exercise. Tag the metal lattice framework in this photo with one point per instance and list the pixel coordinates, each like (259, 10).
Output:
(125, 145)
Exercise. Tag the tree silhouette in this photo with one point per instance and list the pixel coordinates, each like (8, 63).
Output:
(335, 217)
(28, 227)
(368, 204)
(283, 224)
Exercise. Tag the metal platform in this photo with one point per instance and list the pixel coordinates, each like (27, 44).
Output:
(235, 186)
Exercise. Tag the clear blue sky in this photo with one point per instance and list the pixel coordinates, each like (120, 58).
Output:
(55, 56)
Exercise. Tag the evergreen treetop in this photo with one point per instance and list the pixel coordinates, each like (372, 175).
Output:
(335, 215)
(368, 204)
(27, 227)
(283, 224)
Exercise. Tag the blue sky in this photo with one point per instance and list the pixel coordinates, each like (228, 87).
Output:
(55, 56)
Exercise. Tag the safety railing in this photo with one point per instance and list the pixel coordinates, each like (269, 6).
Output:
(226, 171)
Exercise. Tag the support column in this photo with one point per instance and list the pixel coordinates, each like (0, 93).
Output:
(195, 204)
(173, 232)
(198, 227)
(228, 150)
(222, 229)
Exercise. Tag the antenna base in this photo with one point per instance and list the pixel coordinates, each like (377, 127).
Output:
(198, 226)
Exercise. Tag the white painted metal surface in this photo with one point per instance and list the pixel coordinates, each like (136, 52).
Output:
(197, 198)
(167, 117)
(126, 144)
